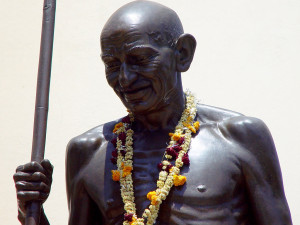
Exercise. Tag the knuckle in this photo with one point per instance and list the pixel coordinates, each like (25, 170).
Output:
(42, 185)
(45, 188)
(21, 167)
(20, 194)
(19, 184)
(15, 176)
(44, 195)
(46, 161)
(38, 175)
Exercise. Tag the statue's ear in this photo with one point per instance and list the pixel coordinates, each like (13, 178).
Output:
(185, 49)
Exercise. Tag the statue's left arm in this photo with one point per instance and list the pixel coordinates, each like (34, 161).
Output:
(260, 169)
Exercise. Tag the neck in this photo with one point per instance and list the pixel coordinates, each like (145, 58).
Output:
(165, 117)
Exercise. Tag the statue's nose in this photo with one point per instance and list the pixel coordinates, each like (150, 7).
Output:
(126, 77)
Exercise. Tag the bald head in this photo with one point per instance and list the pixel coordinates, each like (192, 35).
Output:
(144, 52)
(160, 23)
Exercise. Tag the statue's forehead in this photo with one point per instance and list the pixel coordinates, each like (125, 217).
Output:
(121, 34)
(123, 38)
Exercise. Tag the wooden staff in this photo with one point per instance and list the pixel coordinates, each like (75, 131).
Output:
(42, 100)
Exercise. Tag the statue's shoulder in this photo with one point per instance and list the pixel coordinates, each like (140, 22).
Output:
(250, 133)
(81, 148)
(92, 139)
(211, 114)
(244, 130)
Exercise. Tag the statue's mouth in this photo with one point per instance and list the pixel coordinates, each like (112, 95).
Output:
(136, 94)
(135, 90)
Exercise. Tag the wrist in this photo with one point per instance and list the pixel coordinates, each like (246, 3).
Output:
(43, 217)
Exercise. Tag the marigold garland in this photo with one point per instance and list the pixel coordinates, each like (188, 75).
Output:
(169, 173)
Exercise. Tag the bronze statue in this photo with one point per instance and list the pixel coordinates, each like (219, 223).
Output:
(233, 176)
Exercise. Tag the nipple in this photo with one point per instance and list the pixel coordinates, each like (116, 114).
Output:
(110, 201)
(201, 188)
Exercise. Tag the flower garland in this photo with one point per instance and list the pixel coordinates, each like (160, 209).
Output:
(169, 175)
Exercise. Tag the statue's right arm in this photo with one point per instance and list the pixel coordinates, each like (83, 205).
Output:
(33, 182)
(82, 209)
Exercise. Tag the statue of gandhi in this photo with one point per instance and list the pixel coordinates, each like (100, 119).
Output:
(234, 175)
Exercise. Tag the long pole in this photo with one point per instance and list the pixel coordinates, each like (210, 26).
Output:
(42, 100)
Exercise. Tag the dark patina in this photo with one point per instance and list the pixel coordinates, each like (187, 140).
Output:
(234, 175)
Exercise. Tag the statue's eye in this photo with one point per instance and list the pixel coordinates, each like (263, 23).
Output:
(139, 59)
(142, 58)
(112, 65)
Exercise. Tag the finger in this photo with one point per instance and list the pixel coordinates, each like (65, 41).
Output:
(32, 186)
(37, 176)
(30, 167)
(47, 166)
(43, 196)
(25, 196)
(20, 168)
(21, 176)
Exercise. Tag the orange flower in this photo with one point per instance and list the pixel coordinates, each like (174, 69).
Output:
(176, 137)
(115, 175)
(117, 126)
(197, 125)
(171, 134)
(179, 180)
(126, 171)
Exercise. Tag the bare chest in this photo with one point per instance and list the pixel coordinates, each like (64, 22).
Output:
(213, 181)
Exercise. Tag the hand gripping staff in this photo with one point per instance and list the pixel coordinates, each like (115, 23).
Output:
(42, 99)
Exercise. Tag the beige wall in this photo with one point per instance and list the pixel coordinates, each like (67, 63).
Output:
(247, 60)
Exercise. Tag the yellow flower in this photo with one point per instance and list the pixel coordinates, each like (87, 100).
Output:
(190, 119)
(117, 126)
(152, 197)
(171, 134)
(154, 200)
(191, 128)
(133, 222)
(185, 124)
(115, 175)
(150, 194)
(179, 180)
(197, 125)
